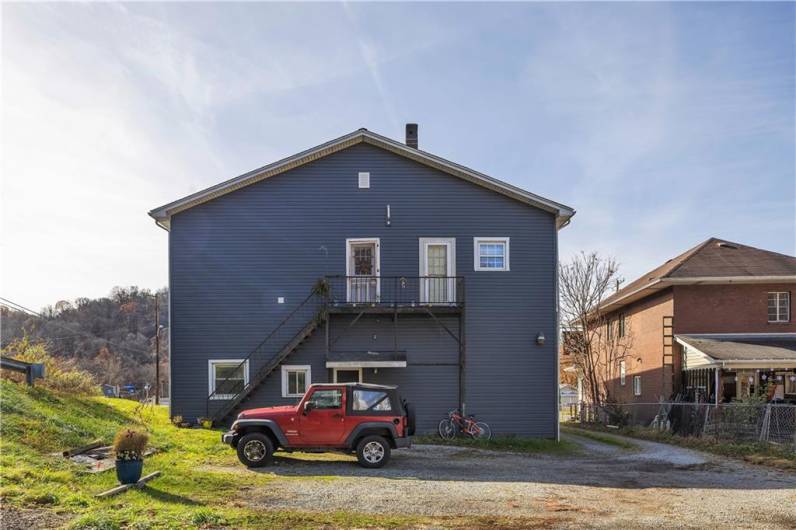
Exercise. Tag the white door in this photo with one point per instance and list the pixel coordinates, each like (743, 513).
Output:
(363, 271)
(437, 285)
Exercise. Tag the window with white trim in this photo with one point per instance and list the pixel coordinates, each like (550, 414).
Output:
(622, 372)
(636, 385)
(296, 379)
(364, 179)
(227, 377)
(779, 307)
(491, 253)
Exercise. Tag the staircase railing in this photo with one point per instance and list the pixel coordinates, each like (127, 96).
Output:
(239, 381)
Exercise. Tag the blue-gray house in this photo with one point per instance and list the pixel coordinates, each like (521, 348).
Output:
(366, 259)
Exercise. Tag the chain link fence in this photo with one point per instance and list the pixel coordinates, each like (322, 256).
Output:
(730, 422)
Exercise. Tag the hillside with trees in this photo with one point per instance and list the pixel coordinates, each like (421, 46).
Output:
(112, 337)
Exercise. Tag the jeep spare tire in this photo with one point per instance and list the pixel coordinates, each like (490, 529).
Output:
(373, 451)
(255, 450)
(410, 418)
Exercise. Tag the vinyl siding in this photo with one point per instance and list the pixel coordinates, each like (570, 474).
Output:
(232, 257)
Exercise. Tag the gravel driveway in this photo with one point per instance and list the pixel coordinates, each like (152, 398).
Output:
(603, 486)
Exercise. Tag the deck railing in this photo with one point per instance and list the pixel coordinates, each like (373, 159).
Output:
(403, 291)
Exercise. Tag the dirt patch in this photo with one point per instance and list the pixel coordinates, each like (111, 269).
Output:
(18, 519)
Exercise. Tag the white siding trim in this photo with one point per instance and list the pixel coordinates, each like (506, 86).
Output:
(365, 364)
(296, 368)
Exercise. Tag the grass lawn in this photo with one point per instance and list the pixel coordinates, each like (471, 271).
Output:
(780, 457)
(37, 423)
(514, 444)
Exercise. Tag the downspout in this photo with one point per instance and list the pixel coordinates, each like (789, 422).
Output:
(556, 344)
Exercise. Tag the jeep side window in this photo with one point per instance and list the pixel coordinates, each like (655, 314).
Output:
(327, 399)
(371, 400)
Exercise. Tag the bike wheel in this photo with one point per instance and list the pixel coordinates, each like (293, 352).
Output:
(482, 431)
(447, 430)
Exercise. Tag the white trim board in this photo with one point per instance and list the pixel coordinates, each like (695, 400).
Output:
(365, 364)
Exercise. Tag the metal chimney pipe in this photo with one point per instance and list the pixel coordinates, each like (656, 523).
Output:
(411, 135)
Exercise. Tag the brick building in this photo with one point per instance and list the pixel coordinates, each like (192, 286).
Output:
(712, 324)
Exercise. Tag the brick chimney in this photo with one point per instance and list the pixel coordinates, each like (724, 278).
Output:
(411, 135)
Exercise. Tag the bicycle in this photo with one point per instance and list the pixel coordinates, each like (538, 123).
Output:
(456, 423)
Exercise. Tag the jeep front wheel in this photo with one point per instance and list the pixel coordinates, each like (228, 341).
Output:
(255, 450)
(373, 451)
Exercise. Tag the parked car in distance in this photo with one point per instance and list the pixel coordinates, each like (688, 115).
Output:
(369, 420)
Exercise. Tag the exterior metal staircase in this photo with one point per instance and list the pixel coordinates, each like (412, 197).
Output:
(283, 340)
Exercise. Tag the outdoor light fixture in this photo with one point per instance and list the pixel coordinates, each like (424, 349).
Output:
(540, 339)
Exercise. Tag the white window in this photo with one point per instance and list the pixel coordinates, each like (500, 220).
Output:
(779, 307)
(622, 372)
(636, 385)
(491, 253)
(295, 380)
(364, 179)
(227, 377)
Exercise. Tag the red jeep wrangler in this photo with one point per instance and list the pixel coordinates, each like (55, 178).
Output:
(352, 417)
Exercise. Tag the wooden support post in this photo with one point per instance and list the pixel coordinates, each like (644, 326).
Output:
(125, 487)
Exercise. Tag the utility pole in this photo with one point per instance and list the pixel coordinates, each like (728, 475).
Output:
(157, 352)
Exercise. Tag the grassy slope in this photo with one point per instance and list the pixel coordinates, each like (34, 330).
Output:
(36, 423)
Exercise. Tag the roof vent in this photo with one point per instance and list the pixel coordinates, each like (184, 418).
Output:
(722, 244)
(411, 135)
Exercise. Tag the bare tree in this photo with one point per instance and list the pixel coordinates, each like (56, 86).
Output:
(596, 341)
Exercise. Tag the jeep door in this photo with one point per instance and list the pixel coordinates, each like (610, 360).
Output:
(324, 423)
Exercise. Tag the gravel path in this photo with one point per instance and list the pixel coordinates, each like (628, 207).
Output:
(605, 486)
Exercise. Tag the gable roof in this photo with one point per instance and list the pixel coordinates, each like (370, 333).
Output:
(712, 261)
(162, 214)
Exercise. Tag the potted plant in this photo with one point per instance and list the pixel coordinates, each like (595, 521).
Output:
(129, 446)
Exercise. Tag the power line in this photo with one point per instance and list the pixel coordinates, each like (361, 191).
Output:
(17, 307)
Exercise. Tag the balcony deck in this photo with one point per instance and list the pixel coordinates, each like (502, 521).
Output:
(394, 294)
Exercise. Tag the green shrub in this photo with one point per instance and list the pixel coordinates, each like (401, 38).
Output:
(61, 375)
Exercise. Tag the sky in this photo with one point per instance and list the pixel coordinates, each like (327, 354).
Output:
(661, 124)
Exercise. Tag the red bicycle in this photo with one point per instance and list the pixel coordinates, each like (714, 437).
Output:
(456, 423)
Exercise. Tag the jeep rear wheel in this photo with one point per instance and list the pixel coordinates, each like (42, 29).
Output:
(255, 450)
(373, 451)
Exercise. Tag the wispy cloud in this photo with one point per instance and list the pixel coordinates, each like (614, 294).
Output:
(662, 124)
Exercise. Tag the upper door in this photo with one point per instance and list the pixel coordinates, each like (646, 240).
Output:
(437, 270)
(363, 270)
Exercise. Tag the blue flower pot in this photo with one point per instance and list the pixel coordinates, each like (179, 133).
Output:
(129, 471)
